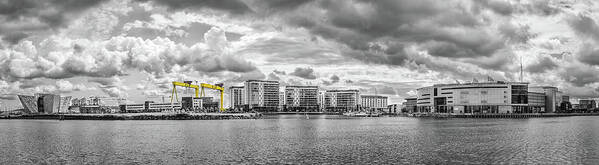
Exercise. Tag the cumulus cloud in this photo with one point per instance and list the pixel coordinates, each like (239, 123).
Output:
(232, 6)
(306, 73)
(544, 64)
(20, 17)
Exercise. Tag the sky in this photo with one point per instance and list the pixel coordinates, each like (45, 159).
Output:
(134, 49)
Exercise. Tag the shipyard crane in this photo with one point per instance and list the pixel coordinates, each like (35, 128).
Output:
(197, 88)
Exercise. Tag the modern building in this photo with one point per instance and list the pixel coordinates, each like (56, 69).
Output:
(411, 104)
(282, 106)
(192, 103)
(536, 102)
(132, 108)
(262, 95)
(551, 97)
(475, 97)
(373, 103)
(342, 100)
(237, 97)
(321, 96)
(301, 98)
(394, 108)
(587, 104)
(44, 103)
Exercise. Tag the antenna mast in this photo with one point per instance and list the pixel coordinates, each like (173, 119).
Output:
(521, 69)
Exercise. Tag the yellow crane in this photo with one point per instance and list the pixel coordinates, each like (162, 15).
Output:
(197, 88)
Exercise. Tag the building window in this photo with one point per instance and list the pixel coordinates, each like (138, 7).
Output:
(483, 92)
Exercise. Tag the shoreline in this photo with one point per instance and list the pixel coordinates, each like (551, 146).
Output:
(140, 116)
(499, 115)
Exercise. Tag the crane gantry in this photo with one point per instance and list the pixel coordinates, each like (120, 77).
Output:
(197, 88)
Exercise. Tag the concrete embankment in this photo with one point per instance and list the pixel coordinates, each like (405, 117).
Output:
(143, 116)
(301, 113)
(502, 115)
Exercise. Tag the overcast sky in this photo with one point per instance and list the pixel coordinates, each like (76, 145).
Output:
(134, 49)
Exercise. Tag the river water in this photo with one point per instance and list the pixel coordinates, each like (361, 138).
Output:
(293, 139)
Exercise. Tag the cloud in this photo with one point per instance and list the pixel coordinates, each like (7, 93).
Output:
(544, 64)
(589, 54)
(584, 26)
(22, 16)
(334, 79)
(232, 6)
(306, 73)
(58, 57)
(580, 75)
(279, 72)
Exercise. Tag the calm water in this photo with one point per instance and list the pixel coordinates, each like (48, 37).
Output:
(293, 139)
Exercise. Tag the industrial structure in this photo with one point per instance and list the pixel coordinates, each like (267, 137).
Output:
(198, 95)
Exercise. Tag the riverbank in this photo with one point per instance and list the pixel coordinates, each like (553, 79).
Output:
(302, 113)
(500, 115)
(141, 116)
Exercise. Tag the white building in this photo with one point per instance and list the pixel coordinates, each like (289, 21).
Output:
(262, 95)
(301, 98)
(376, 103)
(485, 97)
(237, 97)
(342, 100)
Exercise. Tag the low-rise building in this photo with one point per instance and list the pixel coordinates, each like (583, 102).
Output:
(373, 103)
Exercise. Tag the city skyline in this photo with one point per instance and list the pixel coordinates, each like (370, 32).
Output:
(135, 49)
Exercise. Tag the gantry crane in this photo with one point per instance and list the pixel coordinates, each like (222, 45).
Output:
(197, 88)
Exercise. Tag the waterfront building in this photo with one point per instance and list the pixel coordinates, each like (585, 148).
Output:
(342, 100)
(536, 102)
(282, 106)
(191, 103)
(587, 104)
(301, 98)
(262, 95)
(132, 108)
(551, 97)
(237, 97)
(411, 104)
(321, 96)
(373, 103)
(44, 103)
(394, 108)
(484, 97)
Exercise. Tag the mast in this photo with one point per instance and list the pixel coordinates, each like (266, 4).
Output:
(521, 69)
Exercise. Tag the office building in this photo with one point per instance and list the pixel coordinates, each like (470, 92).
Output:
(262, 96)
(551, 97)
(411, 104)
(373, 103)
(475, 97)
(342, 100)
(301, 98)
(587, 104)
(237, 97)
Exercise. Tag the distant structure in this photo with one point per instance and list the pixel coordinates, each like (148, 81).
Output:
(42, 103)
(341, 100)
(301, 98)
